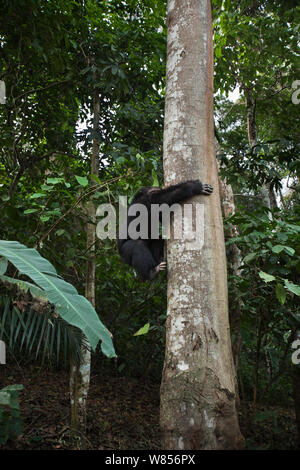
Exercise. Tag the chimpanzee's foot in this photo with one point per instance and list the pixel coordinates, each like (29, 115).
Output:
(160, 267)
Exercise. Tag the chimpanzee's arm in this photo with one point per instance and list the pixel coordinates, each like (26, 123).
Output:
(179, 192)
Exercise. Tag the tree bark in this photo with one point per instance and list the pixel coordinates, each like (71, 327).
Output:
(198, 402)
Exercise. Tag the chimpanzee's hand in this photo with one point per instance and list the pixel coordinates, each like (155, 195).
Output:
(207, 189)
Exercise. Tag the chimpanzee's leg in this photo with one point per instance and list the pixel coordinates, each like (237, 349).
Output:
(137, 254)
(157, 250)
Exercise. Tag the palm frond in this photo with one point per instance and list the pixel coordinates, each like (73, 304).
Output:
(43, 335)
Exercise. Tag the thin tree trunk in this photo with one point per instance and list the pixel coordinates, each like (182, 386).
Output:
(198, 407)
(256, 366)
(252, 139)
(251, 122)
(80, 374)
(235, 262)
(272, 197)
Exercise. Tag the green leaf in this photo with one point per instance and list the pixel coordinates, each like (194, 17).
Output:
(289, 250)
(73, 308)
(54, 180)
(218, 51)
(96, 178)
(3, 265)
(60, 232)
(30, 211)
(280, 293)
(120, 160)
(277, 248)
(143, 331)
(154, 178)
(250, 257)
(292, 287)
(4, 398)
(45, 218)
(37, 195)
(280, 248)
(82, 180)
(266, 277)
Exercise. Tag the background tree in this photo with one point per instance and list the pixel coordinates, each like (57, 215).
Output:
(256, 50)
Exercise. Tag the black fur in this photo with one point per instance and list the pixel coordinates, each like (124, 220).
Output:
(146, 256)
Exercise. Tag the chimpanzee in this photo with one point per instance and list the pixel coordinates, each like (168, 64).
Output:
(146, 255)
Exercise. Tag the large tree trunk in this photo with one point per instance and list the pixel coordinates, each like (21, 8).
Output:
(80, 373)
(198, 403)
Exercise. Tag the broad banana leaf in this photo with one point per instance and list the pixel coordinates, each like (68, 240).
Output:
(72, 307)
